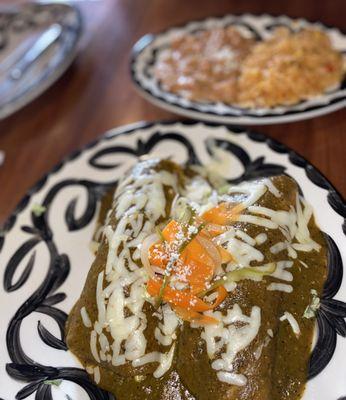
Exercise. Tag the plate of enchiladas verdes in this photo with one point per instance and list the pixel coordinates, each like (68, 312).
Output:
(176, 260)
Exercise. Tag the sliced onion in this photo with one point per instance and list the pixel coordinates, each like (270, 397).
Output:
(147, 243)
(174, 203)
(215, 227)
(253, 273)
(211, 249)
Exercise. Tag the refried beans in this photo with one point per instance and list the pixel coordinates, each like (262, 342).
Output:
(222, 65)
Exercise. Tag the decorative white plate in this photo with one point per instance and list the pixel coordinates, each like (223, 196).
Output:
(147, 49)
(21, 28)
(44, 259)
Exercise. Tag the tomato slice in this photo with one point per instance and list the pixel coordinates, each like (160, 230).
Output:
(222, 214)
(184, 298)
(179, 298)
(195, 317)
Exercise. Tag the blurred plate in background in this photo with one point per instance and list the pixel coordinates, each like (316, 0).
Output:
(37, 43)
(147, 50)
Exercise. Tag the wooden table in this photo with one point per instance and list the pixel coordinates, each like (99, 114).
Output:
(97, 94)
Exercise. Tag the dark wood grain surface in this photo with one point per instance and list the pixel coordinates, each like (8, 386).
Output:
(96, 93)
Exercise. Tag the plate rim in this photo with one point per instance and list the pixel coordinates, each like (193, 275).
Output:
(139, 129)
(191, 111)
(294, 158)
(241, 121)
(11, 107)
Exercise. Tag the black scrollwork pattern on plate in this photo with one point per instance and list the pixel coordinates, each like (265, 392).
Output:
(331, 314)
(45, 299)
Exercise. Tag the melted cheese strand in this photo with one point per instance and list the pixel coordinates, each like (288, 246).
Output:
(93, 346)
(276, 248)
(254, 190)
(303, 264)
(243, 253)
(165, 362)
(138, 195)
(231, 378)
(281, 287)
(251, 219)
(164, 359)
(280, 271)
(272, 188)
(292, 321)
(97, 375)
(258, 352)
(148, 358)
(233, 337)
(101, 307)
(165, 332)
(85, 317)
(261, 238)
(245, 237)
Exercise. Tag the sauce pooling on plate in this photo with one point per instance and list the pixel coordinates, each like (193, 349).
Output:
(196, 287)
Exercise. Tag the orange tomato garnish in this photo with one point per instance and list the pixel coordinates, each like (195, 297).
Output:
(222, 214)
(179, 298)
(184, 298)
(157, 255)
(196, 252)
(194, 316)
(172, 229)
(221, 295)
(225, 255)
(195, 266)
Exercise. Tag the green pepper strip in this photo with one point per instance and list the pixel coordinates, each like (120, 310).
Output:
(190, 239)
(187, 216)
(160, 234)
(162, 289)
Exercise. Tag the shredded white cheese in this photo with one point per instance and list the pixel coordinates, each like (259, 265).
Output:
(245, 237)
(85, 317)
(280, 271)
(97, 375)
(243, 253)
(281, 287)
(165, 363)
(292, 321)
(252, 219)
(139, 194)
(139, 203)
(231, 378)
(165, 332)
(164, 359)
(258, 352)
(293, 224)
(272, 188)
(253, 191)
(261, 238)
(233, 338)
(93, 346)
